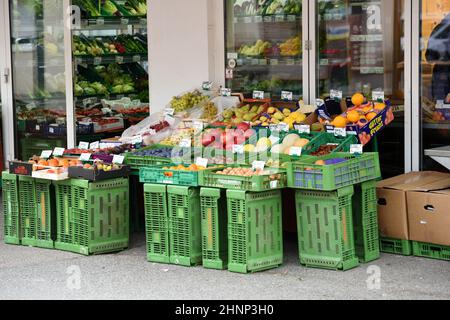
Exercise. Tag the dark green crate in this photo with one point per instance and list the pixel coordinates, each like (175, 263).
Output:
(365, 221)
(36, 212)
(433, 251)
(92, 217)
(11, 208)
(156, 223)
(324, 138)
(209, 178)
(214, 228)
(185, 239)
(396, 246)
(255, 239)
(306, 174)
(325, 229)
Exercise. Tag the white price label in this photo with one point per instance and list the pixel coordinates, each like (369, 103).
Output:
(439, 104)
(232, 55)
(201, 162)
(46, 154)
(356, 149)
(124, 21)
(295, 151)
(279, 18)
(137, 58)
(58, 152)
(247, 19)
(259, 95)
(207, 85)
(274, 62)
(185, 143)
(169, 111)
(273, 184)
(225, 92)
(119, 59)
(340, 132)
(291, 18)
(38, 127)
(118, 159)
(100, 21)
(274, 140)
(51, 130)
(237, 148)
(197, 125)
(336, 95)
(143, 21)
(152, 132)
(273, 127)
(287, 95)
(78, 60)
(319, 102)
(84, 145)
(94, 145)
(258, 19)
(85, 157)
(283, 127)
(97, 60)
(136, 140)
(258, 165)
(304, 128)
(378, 96)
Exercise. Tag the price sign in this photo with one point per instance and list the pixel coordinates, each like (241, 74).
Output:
(247, 19)
(279, 18)
(143, 21)
(197, 125)
(58, 152)
(273, 62)
(94, 145)
(336, 95)
(291, 18)
(185, 143)
(273, 127)
(201, 162)
(259, 95)
(273, 184)
(340, 132)
(169, 111)
(237, 148)
(152, 132)
(97, 60)
(46, 154)
(232, 55)
(84, 145)
(85, 157)
(320, 102)
(118, 159)
(78, 61)
(282, 126)
(258, 19)
(100, 21)
(439, 104)
(119, 59)
(51, 130)
(378, 96)
(225, 92)
(137, 58)
(38, 127)
(304, 128)
(274, 139)
(356, 149)
(207, 85)
(124, 21)
(258, 165)
(287, 95)
(295, 151)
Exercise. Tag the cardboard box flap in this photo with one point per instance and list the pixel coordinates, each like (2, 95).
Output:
(418, 181)
(445, 191)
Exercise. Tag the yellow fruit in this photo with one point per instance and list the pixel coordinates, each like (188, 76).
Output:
(370, 116)
(380, 106)
(263, 119)
(249, 148)
(286, 112)
(358, 99)
(264, 144)
(278, 115)
(340, 122)
(301, 143)
(271, 110)
(353, 116)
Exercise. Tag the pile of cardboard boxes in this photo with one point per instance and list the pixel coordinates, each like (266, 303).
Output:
(414, 214)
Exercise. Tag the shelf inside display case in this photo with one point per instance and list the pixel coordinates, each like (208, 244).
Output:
(109, 23)
(267, 18)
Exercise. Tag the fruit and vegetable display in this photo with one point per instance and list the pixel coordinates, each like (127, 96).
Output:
(108, 8)
(324, 150)
(100, 46)
(246, 113)
(267, 7)
(256, 49)
(291, 47)
(247, 172)
(225, 139)
(179, 136)
(181, 167)
(275, 116)
(187, 101)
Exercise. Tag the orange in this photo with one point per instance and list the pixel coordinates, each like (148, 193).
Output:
(87, 166)
(53, 163)
(340, 122)
(380, 106)
(64, 163)
(353, 116)
(43, 163)
(358, 99)
(193, 167)
(370, 116)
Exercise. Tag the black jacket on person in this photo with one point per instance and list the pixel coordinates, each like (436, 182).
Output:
(439, 51)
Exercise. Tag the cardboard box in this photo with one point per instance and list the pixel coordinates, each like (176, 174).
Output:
(429, 216)
(392, 200)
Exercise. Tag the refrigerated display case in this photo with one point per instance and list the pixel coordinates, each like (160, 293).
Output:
(37, 51)
(264, 46)
(110, 67)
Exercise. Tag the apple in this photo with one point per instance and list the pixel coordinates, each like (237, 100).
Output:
(207, 140)
(243, 126)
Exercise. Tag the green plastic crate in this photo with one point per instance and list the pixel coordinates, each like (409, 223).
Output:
(214, 228)
(34, 146)
(357, 169)
(365, 221)
(185, 239)
(396, 246)
(36, 198)
(156, 223)
(432, 251)
(92, 217)
(157, 174)
(324, 138)
(136, 162)
(11, 208)
(325, 229)
(255, 238)
(209, 178)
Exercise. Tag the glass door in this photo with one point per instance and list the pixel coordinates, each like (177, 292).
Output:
(434, 80)
(360, 48)
(37, 32)
(264, 47)
(110, 68)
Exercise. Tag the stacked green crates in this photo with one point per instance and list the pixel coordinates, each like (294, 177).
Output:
(396, 246)
(433, 251)
(255, 240)
(92, 217)
(156, 223)
(325, 229)
(11, 208)
(365, 220)
(185, 241)
(214, 228)
(36, 198)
